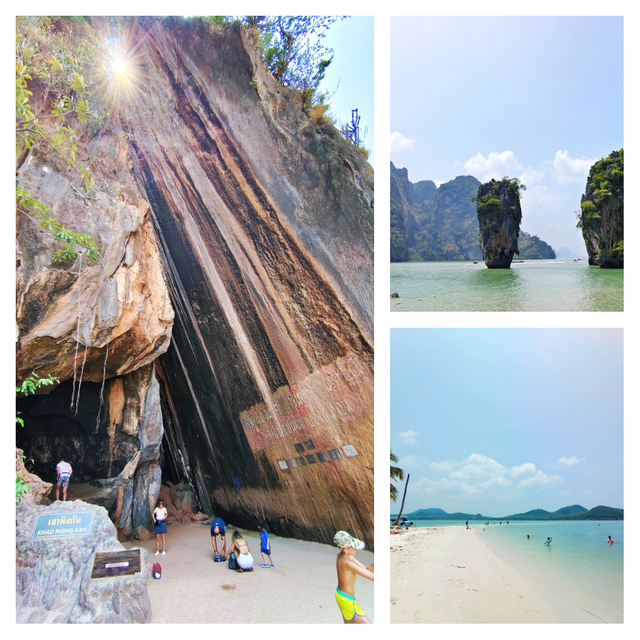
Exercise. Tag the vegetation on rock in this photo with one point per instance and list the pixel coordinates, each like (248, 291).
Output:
(601, 214)
(54, 72)
(532, 248)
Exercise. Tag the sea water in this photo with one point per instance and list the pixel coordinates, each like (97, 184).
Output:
(578, 566)
(534, 285)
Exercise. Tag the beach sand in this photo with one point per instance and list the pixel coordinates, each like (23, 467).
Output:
(195, 589)
(448, 574)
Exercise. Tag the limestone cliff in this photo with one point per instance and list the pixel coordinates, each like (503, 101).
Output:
(602, 212)
(256, 226)
(499, 217)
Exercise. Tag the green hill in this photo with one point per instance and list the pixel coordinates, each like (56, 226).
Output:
(573, 512)
(532, 248)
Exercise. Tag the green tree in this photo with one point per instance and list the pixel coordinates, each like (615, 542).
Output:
(294, 52)
(396, 474)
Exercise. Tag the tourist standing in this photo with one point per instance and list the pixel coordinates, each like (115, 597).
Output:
(159, 517)
(265, 548)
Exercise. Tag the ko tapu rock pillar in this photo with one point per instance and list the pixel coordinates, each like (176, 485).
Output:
(499, 216)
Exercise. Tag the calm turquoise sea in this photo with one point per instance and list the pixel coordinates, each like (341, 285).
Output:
(579, 566)
(535, 285)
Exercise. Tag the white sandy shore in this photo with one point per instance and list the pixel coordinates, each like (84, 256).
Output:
(448, 574)
(194, 589)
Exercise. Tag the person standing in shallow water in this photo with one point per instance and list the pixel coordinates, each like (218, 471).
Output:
(64, 471)
(611, 540)
(348, 567)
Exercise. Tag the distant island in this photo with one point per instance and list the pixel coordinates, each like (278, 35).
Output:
(574, 512)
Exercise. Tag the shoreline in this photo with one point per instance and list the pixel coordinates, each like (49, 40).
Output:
(194, 589)
(450, 575)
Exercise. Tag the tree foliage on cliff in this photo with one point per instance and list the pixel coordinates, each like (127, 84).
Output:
(55, 70)
(293, 50)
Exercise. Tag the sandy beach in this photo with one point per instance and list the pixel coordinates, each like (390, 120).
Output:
(194, 589)
(448, 575)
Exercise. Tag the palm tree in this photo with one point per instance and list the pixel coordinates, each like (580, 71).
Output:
(396, 474)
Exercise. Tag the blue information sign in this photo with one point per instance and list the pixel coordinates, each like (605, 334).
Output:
(60, 525)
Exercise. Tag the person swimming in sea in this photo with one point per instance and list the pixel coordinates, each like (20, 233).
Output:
(548, 541)
(611, 540)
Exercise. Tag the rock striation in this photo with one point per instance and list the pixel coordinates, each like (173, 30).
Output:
(237, 240)
(602, 212)
(499, 216)
(265, 224)
(53, 576)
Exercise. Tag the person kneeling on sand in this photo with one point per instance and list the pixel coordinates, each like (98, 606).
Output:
(240, 547)
(347, 567)
(218, 529)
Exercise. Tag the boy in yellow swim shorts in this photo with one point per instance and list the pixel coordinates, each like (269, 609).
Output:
(348, 567)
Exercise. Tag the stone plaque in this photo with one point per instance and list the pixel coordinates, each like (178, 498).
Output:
(116, 563)
(350, 450)
(61, 525)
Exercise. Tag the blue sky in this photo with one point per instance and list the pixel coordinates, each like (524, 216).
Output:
(502, 421)
(352, 72)
(538, 98)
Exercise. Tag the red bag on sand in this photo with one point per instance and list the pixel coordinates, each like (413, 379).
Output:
(156, 570)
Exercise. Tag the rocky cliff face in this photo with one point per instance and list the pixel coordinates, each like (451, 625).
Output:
(499, 217)
(266, 227)
(261, 225)
(602, 212)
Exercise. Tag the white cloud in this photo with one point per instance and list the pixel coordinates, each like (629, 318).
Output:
(496, 165)
(529, 176)
(441, 467)
(566, 169)
(539, 478)
(408, 461)
(400, 142)
(569, 461)
(410, 437)
(527, 467)
(477, 466)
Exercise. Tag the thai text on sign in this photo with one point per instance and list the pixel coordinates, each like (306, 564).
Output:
(60, 525)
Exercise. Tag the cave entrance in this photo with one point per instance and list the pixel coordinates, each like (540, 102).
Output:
(53, 431)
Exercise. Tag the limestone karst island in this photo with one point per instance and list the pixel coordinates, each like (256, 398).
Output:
(441, 236)
(194, 359)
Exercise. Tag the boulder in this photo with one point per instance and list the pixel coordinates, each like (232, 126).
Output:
(53, 576)
(184, 498)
